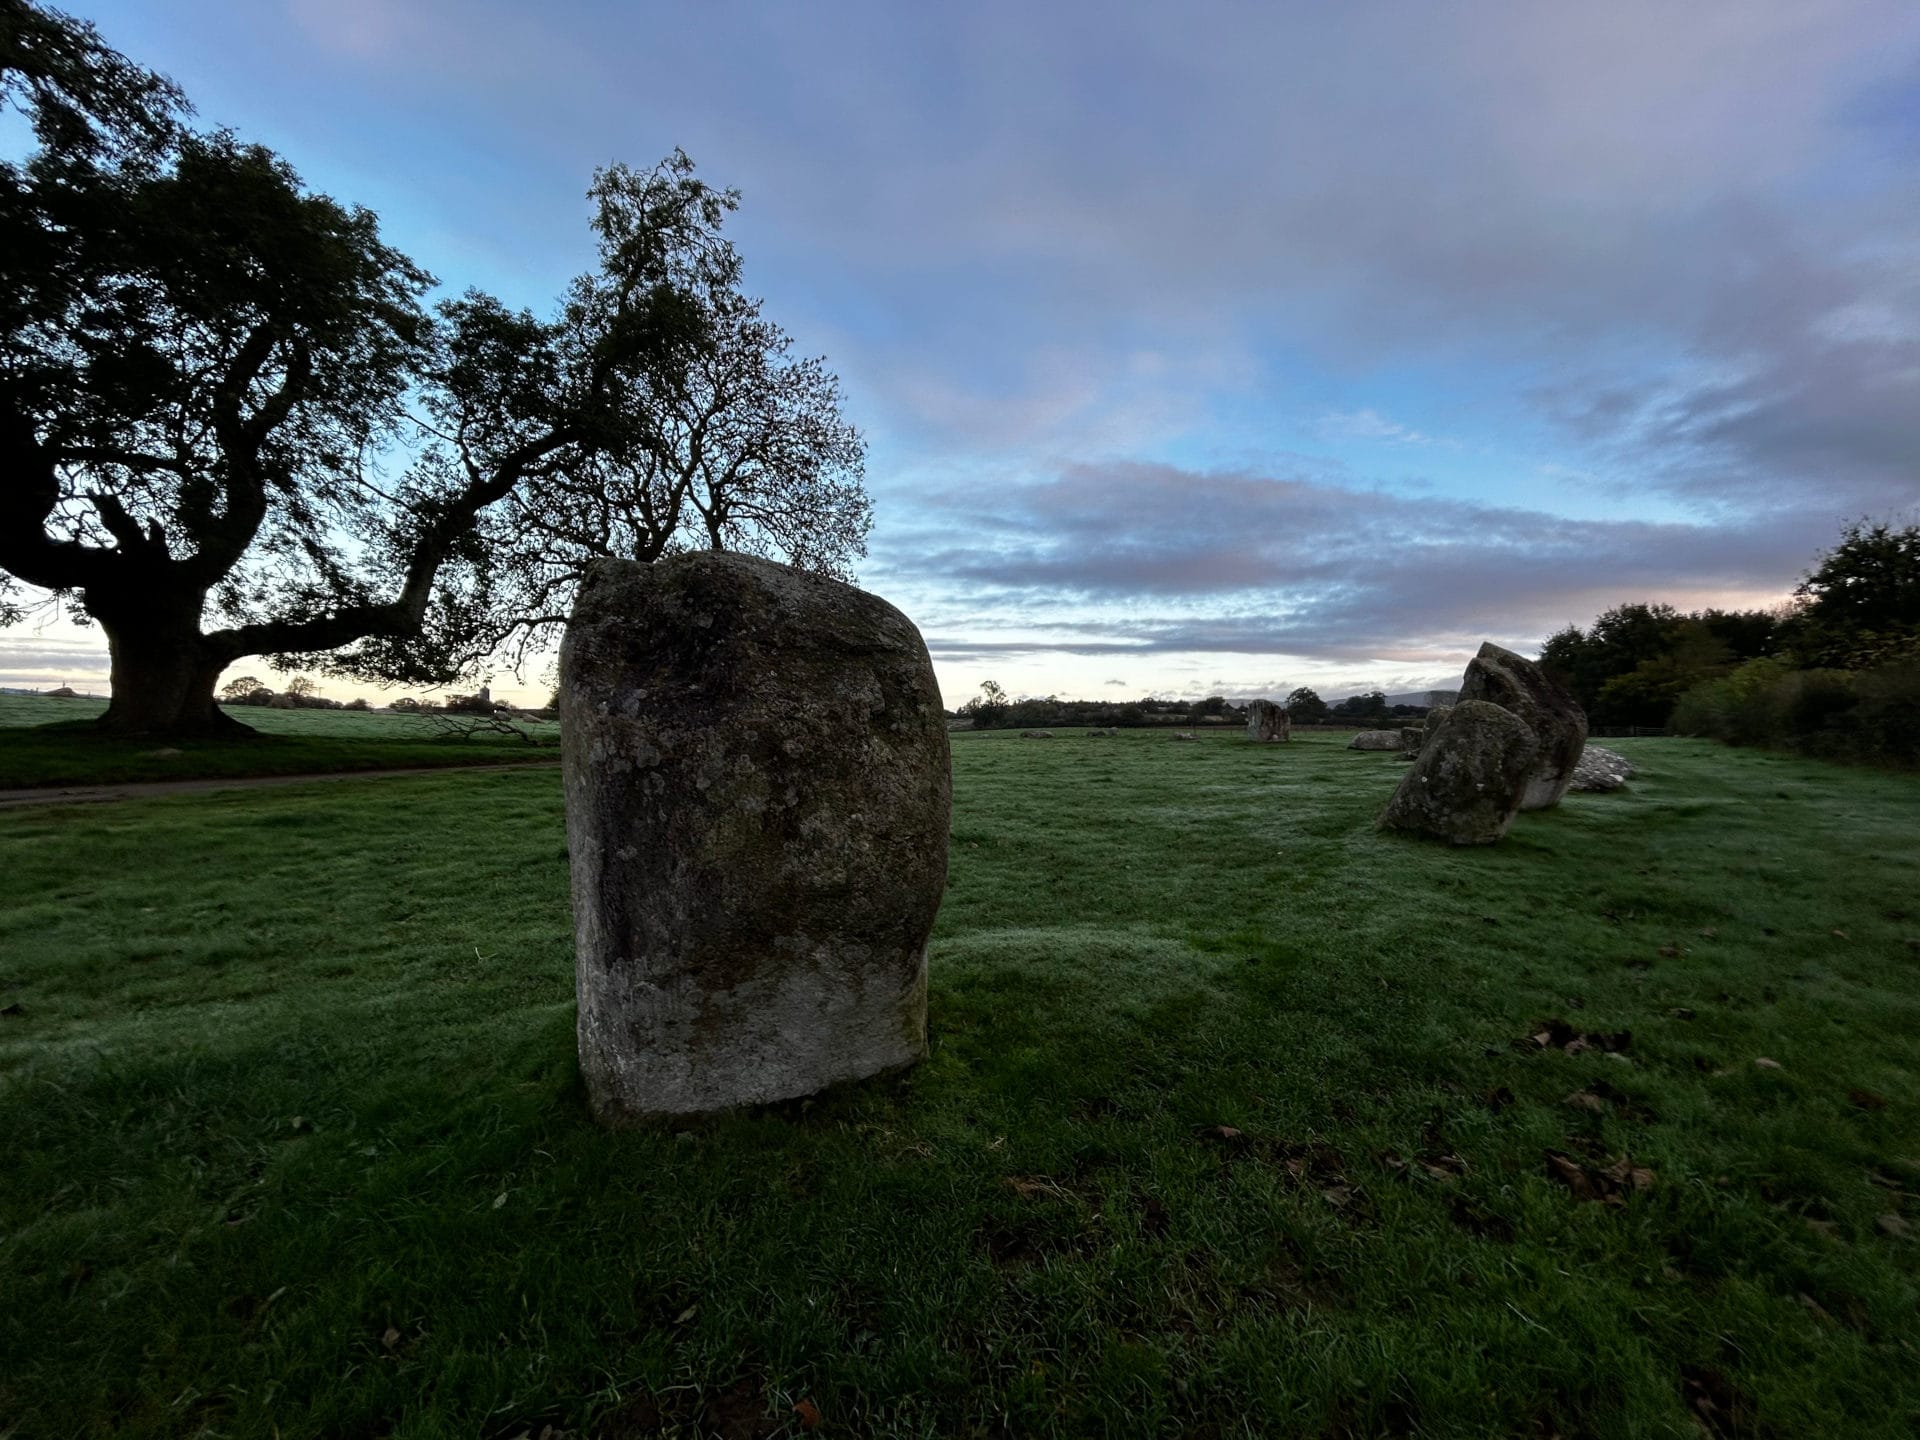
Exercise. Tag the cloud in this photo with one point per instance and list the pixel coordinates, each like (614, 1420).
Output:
(1156, 560)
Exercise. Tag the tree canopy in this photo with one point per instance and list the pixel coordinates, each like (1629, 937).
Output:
(206, 371)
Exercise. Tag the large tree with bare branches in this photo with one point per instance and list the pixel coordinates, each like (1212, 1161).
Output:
(208, 372)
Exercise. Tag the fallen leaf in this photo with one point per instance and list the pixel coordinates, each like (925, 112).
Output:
(1572, 1174)
(686, 1314)
(1443, 1167)
(809, 1414)
(1680, 1012)
(1225, 1134)
(1609, 1185)
(499, 1199)
(1586, 1100)
(391, 1338)
(1895, 1225)
(1866, 1100)
(1709, 933)
(1628, 1175)
(299, 1124)
(1338, 1195)
(1765, 1064)
(1841, 935)
(1669, 952)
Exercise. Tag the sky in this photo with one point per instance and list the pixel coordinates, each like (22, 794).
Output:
(1204, 348)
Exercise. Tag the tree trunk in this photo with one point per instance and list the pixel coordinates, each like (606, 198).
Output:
(163, 674)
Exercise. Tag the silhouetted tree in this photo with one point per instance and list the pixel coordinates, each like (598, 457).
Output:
(197, 354)
(1860, 603)
(1306, 707)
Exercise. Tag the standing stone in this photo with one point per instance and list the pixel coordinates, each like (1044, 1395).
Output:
(758, 796)
(1412, 737)
(1601, 769)
(1375, 740)
(1268, 721)
(1516, 683)
(1465, 787)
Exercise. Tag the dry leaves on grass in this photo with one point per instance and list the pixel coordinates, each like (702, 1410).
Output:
(1866, 1100)
(1608, 1184)
(1556, 1034)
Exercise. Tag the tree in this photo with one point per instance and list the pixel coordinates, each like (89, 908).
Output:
(745, 450)
(1306, 707)
(236, 691)
(193, 353)
(989, 708)
(197, 356)
(301, 687)
(1859, 605)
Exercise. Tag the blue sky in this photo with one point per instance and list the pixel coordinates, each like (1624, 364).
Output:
(1207, 347)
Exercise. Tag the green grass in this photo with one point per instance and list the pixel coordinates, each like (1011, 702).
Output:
(296, 1143)
(45, 742)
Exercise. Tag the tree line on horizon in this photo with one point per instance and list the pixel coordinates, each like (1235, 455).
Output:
(994, 709)
(225, 402)
(1835, 671)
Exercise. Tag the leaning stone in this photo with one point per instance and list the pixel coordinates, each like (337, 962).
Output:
(1375, 740)
(1036, 735)
(1268, 721)
(758, 798)
(1466, 785)
(1516, 683)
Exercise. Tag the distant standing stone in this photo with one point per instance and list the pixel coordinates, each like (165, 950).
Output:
(1516, 683)
(758, 797)
(1375, 740)
(1268, 721)
(1465, 787)
(1036, 734)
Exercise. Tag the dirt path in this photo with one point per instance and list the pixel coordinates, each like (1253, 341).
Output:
(150, 789)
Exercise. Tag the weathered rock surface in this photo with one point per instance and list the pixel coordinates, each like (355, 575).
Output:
(1268, 721)
(1036, 734)
(1185, 735)
(1466, 785)
(1375, 740)
(758, 796)
(1412, 737)
(1516, 683)
(1601, 769)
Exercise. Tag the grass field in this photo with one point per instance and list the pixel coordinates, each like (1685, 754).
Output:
(1230, 1127)
(44, 742)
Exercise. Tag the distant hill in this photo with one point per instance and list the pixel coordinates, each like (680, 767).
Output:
(1424, 698)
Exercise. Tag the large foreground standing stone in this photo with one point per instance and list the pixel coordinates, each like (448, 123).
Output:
(757, 805)
(1467, 783)
(1268, 721)
(1516, 683)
